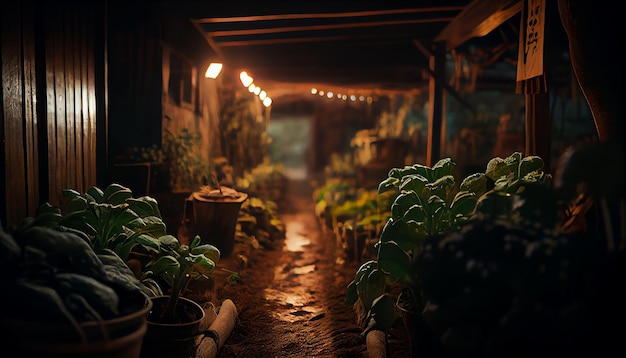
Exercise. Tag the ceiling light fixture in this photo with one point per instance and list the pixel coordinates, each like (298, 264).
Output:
(214, 70)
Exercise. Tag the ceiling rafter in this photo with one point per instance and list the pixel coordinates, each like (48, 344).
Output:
(273, 30)
(207, 20)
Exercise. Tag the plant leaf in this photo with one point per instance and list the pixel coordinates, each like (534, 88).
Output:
(394, 261)
(391, 183)
(383, 312)
(116, 194)
(443, 167)
(414, 182)
(207, 250)
(403, 202)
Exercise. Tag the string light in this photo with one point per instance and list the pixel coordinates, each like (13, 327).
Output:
(342, 96)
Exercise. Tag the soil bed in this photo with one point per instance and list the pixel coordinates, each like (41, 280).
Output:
(291, 298)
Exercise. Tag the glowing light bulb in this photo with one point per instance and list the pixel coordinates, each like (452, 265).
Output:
(213, 70)
(246, 80)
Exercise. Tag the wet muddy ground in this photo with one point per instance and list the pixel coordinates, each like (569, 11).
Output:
(291, 299)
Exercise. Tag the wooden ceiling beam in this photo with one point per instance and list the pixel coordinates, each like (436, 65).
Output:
(478, 19)
(274, 30)
(351, 14)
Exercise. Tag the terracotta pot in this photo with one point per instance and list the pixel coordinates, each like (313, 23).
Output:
(119, 337)
(173, 340)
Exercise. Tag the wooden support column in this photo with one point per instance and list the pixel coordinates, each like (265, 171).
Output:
(539, 127)
(436, 103)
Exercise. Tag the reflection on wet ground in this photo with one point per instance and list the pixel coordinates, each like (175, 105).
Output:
(292, 299)
(295, 237)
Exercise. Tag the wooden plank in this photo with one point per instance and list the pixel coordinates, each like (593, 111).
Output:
(316, 15)
(52, 179)
(59, 108)
(14, 205)
(92, 103)
(477, 19)
(30, 111)
(88, 164)
(275, 30)
(70, 113)
(78, 98)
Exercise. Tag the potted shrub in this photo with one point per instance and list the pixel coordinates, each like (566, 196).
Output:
(63, 299)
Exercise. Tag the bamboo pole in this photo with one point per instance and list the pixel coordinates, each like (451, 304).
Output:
(219, 331)
(376, 342)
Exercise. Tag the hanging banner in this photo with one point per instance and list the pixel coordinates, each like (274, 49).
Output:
(530, 53)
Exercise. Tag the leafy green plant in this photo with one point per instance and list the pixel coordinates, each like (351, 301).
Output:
(152, 154)
(515, 281)
(459, 244)
(114, 222)
(112, 219)
(426, 205)
(188, 168)
(178, 264)
(518, 189)
(53, 275)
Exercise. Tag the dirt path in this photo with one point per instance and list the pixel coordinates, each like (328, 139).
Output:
(291, 301)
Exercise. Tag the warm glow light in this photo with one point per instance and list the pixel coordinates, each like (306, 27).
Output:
(214, 70)
(246, 80)
(329, 94)
(251, 88)
(257, 90)
(262, 95)
(267, 102)
(352, 97)
(321, 93)
(361, 98)
(313, 90)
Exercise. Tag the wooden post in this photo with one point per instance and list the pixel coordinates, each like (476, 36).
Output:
(539, 127)
(436, 103)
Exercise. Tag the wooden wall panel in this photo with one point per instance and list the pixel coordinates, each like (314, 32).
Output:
(90, 116)
(49, 143)
(71, 90)
(14, 193)
(30, 110)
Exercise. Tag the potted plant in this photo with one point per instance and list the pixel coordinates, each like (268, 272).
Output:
(174, 323)
(63, 299)
(113, 221)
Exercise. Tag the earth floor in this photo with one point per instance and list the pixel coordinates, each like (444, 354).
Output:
(291, 299)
